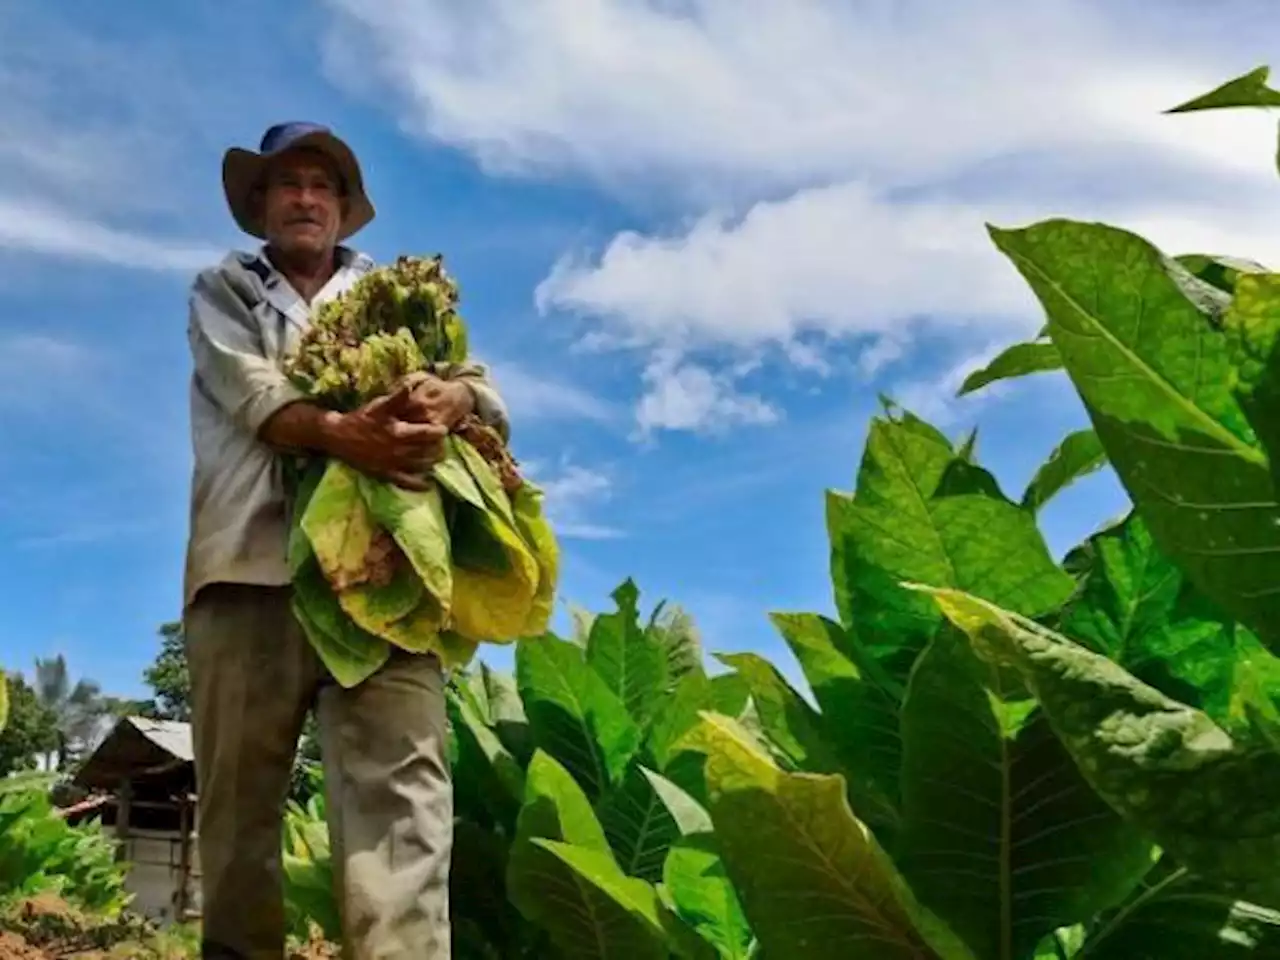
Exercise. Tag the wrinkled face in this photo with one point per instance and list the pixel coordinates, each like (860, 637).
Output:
(302, 204)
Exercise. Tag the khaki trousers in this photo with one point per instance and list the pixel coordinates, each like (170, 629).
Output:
(389, 796)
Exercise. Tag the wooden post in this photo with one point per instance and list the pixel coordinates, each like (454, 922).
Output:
(184, 856)
(124, 804)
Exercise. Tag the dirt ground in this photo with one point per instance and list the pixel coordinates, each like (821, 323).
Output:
(47, 928)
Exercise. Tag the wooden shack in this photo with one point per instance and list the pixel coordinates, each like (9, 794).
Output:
(140, 783)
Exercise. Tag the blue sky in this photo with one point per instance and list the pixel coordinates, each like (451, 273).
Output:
(695, 240)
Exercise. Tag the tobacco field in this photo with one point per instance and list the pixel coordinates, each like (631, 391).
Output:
(1000, 756)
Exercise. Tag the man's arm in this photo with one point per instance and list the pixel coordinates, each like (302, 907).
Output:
(231, 366)
(487, 402)
(233, 369)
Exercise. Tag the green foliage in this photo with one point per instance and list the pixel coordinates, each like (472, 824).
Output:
(1018, 360)
(1078, 455)
(31, 731)
(41, 853)
(169, 678)
(1247, 90)
(308, 868)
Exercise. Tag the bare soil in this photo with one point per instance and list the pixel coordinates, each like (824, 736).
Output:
(48, 928)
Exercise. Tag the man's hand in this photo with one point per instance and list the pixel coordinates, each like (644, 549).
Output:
(388, 439)
(442, 402)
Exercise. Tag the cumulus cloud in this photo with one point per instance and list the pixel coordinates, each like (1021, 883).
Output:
(683, 395)
(111, 142)
(835, 162)
(572, 492)
(45, 230)
(778, 93)
(540, 398)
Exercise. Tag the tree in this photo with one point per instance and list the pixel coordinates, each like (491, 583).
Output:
(31, 731)
(78, 708)
(169, 678)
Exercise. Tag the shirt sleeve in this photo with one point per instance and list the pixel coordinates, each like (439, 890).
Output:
(230, 364)
(490, 407)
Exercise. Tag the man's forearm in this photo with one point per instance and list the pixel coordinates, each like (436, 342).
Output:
(303, 427)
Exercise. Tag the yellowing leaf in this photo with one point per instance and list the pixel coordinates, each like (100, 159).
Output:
(541, 539)
(417, 522)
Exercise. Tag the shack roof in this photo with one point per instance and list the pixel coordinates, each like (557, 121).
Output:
(138, 749)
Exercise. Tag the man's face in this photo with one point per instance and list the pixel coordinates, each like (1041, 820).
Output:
(302, 204)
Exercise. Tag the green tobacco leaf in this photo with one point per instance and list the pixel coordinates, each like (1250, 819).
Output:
(1175, 916)
(704, 897)
(859, 717)
(1002, 837)
(484, 769)
(1247, 90)
(1156, 377)
(345, 541)
(689, 815)
(572, 714)
(600, 911)
(415, 519)
(506, 712)
(787, 719)
(1135, 607)
(694, 693)
(638, 824)
(1079, 455)
(487, 480)
(1252, 326)
(478, 898)
(1019, 360)
(555, 808)
(535, 529)
(350, 654)
(673, 629)
(626, 658)
(813, 881)
(1209, 802)
(1219, 272)
(339, 526)
(897, 528)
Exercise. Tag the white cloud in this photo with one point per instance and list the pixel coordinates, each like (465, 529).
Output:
(836, 160)
(111, 145)
(777, 93)
(681, 395)
(535, 397)
(572, 492)
(41, 229)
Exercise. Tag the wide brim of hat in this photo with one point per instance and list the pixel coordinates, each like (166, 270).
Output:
(242, 172)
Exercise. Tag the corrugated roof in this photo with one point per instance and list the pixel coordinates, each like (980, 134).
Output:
(137, 748)
(170, 735)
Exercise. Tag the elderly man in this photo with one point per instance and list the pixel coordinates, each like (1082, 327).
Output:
(254, 675)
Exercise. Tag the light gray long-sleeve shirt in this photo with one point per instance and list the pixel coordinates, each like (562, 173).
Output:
(245, 318)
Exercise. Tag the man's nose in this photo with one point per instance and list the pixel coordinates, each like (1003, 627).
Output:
(308, 196)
